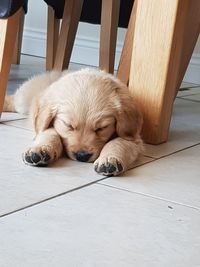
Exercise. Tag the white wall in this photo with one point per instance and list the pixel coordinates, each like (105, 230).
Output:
(87, 41)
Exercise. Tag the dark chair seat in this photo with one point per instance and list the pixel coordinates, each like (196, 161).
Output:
(91, 11)
(10, 7)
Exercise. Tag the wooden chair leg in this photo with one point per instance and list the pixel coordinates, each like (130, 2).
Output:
(191, 34)
(18, 43)
(157, 53)
(53, 26)
(69, 25)
(125, 59)
(109, 24)
(8, 33)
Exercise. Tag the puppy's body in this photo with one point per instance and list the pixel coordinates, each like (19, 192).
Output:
(87, 113)
(22, 99)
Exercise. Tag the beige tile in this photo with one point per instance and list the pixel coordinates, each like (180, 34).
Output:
(142, 160)
(100, 226)
(194, 97)
(184, 130)
(148, 217)
(23, 185)
(9, 116)
(175, 178)
(189, 91)
(187, 85)
(22, 123)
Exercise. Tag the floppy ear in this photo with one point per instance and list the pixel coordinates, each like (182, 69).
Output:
(129, 119)
(43, 116)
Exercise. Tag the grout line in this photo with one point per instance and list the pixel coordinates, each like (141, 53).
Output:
(52, 197)
(150, 196)
(189, 87)
(20, 119)
(98, 182)
(17, 127)
(142, 164)
(187, 99)
(172, 153)
(197, 93)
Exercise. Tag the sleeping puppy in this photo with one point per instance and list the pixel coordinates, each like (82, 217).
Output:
(88, 114)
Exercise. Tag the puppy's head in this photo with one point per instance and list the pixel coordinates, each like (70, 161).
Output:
(87, 109)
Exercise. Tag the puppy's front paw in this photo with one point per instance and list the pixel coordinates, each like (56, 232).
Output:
(37, 156)
(109, 166)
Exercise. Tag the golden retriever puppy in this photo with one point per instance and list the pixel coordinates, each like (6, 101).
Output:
(88, 114)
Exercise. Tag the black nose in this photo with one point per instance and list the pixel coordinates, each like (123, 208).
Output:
(82, 156)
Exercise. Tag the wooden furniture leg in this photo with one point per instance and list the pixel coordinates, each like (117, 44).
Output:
(53, 26)
(125, 59)
(18, 43)
(191, 33)
(158, 50)
(108, 36)
(8, 33)
(69, 25)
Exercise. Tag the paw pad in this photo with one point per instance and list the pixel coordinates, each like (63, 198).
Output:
(108, 168)
(41, 158)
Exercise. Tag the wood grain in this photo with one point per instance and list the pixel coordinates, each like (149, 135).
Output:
(8, 33)
(69, 25)
(18, 43)
(108, 35)
(53, 26)
(125, 59)
(155, 66)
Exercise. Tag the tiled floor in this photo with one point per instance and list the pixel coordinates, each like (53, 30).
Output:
(67, 215)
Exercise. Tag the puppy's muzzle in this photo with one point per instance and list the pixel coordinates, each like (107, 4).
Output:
(83, 156)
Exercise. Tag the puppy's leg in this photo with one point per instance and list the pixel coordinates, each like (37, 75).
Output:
(47, 147)
(117, 156)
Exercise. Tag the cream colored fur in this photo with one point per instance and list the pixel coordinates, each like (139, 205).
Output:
(88, 114)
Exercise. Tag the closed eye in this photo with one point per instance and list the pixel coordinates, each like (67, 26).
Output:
(98, 130)
(69, 126)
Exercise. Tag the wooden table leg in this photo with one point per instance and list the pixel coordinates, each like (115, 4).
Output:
(69, 25)
(53, 26)
(125, 59)
(191, 33)
(157, 53)
(108, 36)
(8, 33)
(18, 43)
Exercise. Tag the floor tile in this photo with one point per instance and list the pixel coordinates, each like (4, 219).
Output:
(184, 130)
(9, 116)
(194, 97)
(56, 216)
(23, 185)
(100, 226)
(28, 67)
(175, 178)
(22, 123)
(188, 85)
(189, 91)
